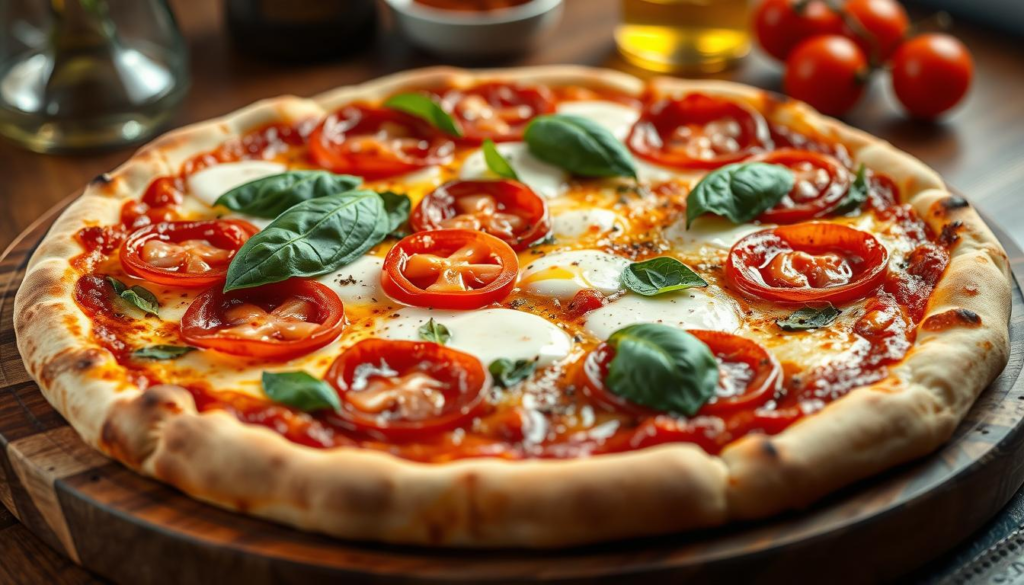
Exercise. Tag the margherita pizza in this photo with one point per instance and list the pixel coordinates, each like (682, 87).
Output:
(533, 307)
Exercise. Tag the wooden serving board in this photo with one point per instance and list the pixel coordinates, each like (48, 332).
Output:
(134, 530)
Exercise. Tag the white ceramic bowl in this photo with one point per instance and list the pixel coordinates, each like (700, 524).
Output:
(473, 35)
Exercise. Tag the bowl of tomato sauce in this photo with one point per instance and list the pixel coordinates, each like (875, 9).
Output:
(475, 29)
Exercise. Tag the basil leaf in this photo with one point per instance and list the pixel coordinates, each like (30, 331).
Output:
(579, 146)
(497, 163)
(424, 108)
(300, 390)
(809, 318)
(118, 286)
(312, 238)
(397, 206)
(507, 373)
(660, 275)
(740, 191)
(269, 197)
(857, 194)
(137, 296)
(661, 367)
(162, 352)
(434, 331)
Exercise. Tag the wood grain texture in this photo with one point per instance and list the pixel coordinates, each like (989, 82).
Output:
(99, 513)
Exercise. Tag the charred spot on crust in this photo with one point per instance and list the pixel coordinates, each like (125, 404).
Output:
(102, 179)
(954, 202)
(951, 232)
(952, 318)
(768, 448)
(76, 361)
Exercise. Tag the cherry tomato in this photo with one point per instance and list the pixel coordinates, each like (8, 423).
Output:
(821, 184)
(749, 376)
(406, 390)
(828, 72)
(782, 24)
(275, 321)
(883, 22)
(508, 210)
(807, 263)
(931, 73)
(188, 254)
(449, 269)
(698, 131)
(583, 302)
(499, 111)
(377, 143)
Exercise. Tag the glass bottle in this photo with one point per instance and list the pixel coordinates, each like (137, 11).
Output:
(684, 35)
(87, 74)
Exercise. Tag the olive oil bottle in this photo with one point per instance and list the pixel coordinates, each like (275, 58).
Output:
(684, 35)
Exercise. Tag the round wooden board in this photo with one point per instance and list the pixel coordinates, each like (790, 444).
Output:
(134, 530)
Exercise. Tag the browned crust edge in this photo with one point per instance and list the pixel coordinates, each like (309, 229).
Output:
(360, 494)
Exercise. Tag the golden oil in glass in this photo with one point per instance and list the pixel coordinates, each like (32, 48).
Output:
(684, 35)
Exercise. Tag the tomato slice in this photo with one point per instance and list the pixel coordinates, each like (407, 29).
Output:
(507, 210)
(807, 263)
(376, 143)
(187, 254)
(749, 376)
(821, 184)
(406, 390)
(274, 321)
(698, 131)
(449, 269)
(499, 111)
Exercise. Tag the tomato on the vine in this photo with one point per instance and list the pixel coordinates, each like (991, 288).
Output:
(780, 25)
(879, 26)
(931, 73)
(828, 72)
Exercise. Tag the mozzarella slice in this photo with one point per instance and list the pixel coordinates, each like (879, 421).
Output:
(613, 117)
(574, 223)
(563, 274)
(357, 283)
(488, 335)
(708, 231)
(689, 309)
(546, 180)
(212, 182)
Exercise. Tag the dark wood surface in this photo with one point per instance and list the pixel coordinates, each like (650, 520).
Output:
(134, 530)
(980, 149)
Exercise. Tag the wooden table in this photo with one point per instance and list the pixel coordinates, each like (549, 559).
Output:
(980, 149)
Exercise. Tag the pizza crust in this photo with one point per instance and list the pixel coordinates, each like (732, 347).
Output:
(362, 494)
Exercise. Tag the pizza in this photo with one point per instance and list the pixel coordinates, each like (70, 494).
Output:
(534, 307)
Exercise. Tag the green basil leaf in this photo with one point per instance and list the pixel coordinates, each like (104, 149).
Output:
(162, 352)
(660, 275)
(118, 286)
(740, 191)
(857, 194)
(269, 197)
(434, 331)
(508, 373)
(661, 367)
(579, 146)
(300, 390)
(497, 163)
(423, 107)
(142, 299)
(397, 206)
(312, 238)
(809, 318)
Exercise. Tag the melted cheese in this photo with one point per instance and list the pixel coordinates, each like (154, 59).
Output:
(614, 117)
(708, 233)
(588, 221)
(546, 180)
(689, 309)
(357, 283)
(212, 182)
(489, 334)
(563, 274)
